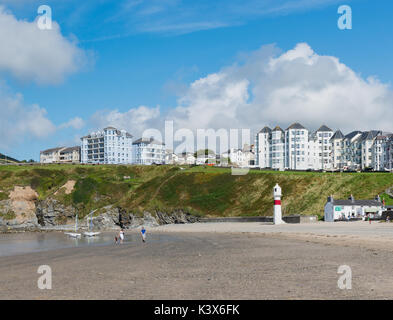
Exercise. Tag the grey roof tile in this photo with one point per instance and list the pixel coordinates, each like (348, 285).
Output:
(296, 125)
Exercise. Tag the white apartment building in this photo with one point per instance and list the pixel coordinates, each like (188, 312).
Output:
(337, 141)
(367, 141)
(70, 155)
(388, 150)
(171, 158)
(323, 136)
(352, 152)
(51, 155)
(296, 147)
(320, 149)
(186, 158)
(278, 149)
(382, 152)
(109, 146)
(148, 151)
(60, 155)
(263, 148)
(240, 157)
(378, 153)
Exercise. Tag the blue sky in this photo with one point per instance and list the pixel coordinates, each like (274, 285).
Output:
(149, 53)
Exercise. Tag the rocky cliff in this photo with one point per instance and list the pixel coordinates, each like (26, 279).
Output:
(24, 211)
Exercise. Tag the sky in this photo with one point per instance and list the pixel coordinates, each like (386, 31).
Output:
(202, 64)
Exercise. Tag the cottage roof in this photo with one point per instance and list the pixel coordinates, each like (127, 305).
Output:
(368, 203)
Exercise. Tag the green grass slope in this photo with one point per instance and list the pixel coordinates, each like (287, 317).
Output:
(199, 190)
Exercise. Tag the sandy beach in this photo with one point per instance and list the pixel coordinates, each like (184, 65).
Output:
(214, 261)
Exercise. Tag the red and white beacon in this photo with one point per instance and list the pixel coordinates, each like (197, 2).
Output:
(277, 219)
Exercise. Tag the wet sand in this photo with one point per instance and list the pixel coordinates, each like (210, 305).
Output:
(285, 263)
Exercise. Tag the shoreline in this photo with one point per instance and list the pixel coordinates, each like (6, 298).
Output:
(376, 236)
(201, 265)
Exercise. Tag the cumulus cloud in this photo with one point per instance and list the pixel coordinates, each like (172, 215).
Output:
(18, 121)
(135, 120)
(270, 87)
(297, 85)
(76, 123)
(31, 54)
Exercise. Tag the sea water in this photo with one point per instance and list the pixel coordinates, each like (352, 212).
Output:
(21, 243)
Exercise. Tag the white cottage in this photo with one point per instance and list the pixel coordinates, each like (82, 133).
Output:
(351, 208)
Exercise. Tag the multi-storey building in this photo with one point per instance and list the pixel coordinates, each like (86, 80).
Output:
(263, 148)
(323, 135)
(367, 141)
(296, 147)
(313, 152)
(60, 155)
(109, 146)
(70, 155)
(278, 149)
(378, 153)
(337, 142)
(186, 158)
(388, 151)
(240, 157)
(148, 151)
(351, 150)
(51, 155)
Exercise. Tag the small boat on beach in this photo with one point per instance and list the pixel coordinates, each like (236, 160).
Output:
(89, 233)
(74, 234)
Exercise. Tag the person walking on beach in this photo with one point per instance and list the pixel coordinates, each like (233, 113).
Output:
(143, 233)
(121, 236)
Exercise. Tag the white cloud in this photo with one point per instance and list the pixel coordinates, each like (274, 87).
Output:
(271, 88)
(31, 54)
(178, 17)
(135, 120)
(298, 85)
(76, 123)
(18, 121)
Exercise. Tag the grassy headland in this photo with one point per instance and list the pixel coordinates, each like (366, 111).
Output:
(200, 190)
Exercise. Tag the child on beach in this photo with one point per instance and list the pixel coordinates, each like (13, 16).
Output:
(143, 233)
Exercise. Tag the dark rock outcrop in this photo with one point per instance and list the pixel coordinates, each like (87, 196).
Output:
(176, 217)
(51, 213)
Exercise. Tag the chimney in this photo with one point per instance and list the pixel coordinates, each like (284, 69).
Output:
(330, 198)
(378, 198)
(351, 198)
